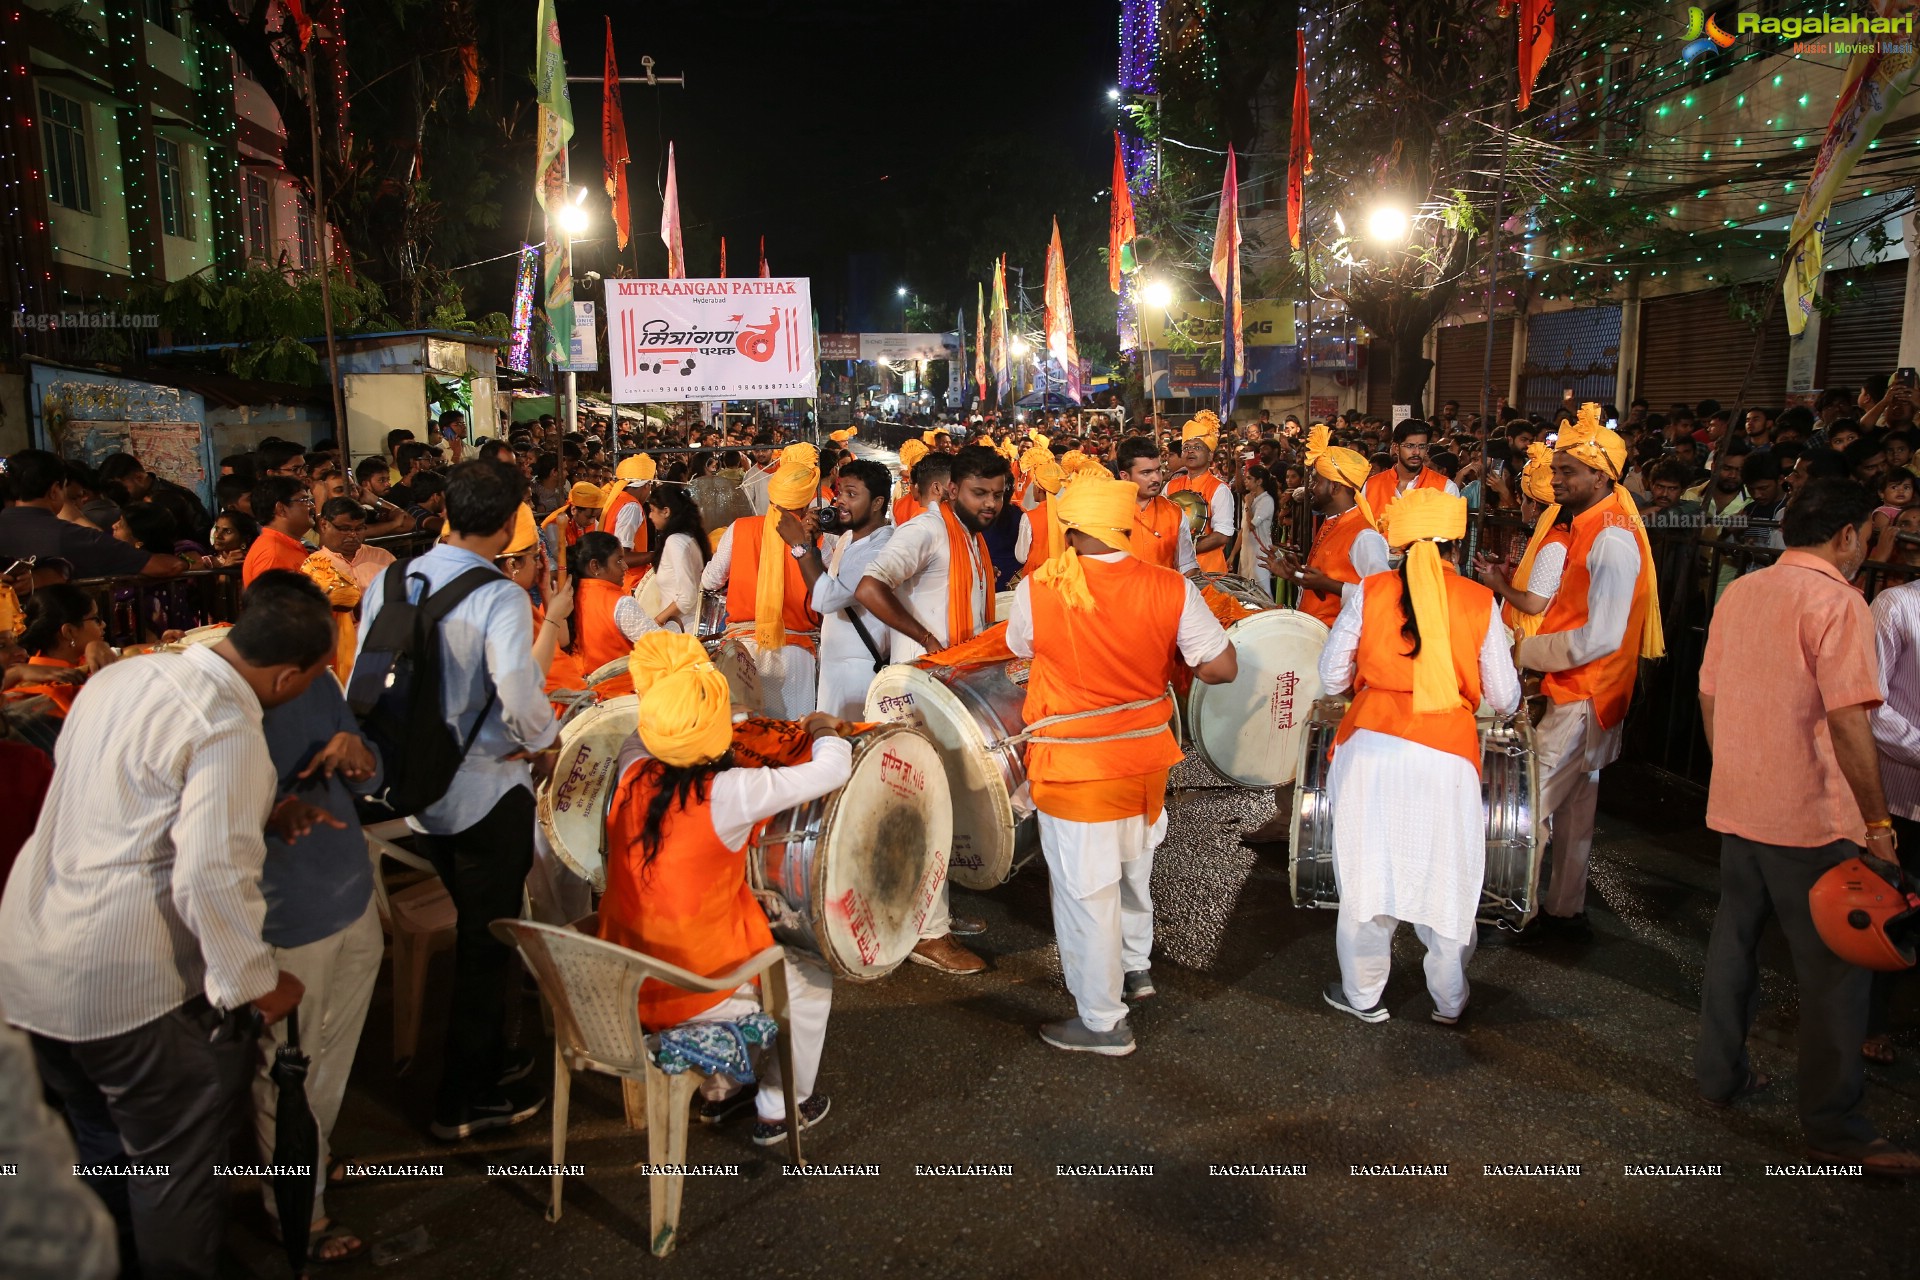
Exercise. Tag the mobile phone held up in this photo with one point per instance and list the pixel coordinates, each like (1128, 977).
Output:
(1903, 376)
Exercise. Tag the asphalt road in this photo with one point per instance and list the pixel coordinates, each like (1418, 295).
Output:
(1571, 1055)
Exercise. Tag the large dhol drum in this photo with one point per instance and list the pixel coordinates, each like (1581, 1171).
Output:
(786, 684)
(1249, 730)
(607, 671)
(971, 713)
(860, 868)
(572, 807)
(1245, 590)
(1509, 792)
(713, 617)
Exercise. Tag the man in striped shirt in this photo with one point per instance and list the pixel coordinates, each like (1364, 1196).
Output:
(130, 929)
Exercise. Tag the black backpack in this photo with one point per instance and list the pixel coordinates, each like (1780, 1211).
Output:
(396, 691)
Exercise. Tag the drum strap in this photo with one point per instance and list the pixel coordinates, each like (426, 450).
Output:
(1033, 730)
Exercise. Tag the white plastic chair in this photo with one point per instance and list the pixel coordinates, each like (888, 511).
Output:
(594, 989)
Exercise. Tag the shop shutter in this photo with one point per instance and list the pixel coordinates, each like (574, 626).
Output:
(1862, 338)
(1577, 350)
(1693, 348)
(1460, 364)
(1379, 380)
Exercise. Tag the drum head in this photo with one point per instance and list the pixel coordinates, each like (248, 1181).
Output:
(982, 810)
(207, 635)
(572, 807)
(1003, 606)
(886, 837)
(735, 661)
(1249, 731)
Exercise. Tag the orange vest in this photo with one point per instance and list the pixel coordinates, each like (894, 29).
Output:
(610, 518)
(1332, 554)
(1558, 536)
(1382, 489)
(60, 693)
(744, 573)
(564, 671)
(691, 907)
(1214, 561)
(1039, 537)
(1123, 650)
(1156, 533)
(1383, 679)
(597, 638)
(907, 507)
(1606, 681)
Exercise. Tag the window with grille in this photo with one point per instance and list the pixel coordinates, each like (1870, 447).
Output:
(303, 230)
(160, 14)
(259, 217)
(63, 135)
(173, 190)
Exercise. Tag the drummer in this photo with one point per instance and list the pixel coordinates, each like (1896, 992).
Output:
(932, 484)
(1160, 533)
(524, 563)
(933, 586)
(1421, 650)
(1105, 631)
(907, 504)
(580, 516)
(625, 515)
(1035, 543)
(847, 665)
(1347, 547)
(677, 888)
(607, 619)
(774, 602)
(1199, 439)
(1536, 580)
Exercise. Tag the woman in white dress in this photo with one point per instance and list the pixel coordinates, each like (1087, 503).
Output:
(1259, 499)
(681, 537)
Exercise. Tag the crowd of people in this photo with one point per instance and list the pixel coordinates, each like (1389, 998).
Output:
(204, 872)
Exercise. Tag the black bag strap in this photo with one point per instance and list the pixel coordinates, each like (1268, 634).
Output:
(438, 604)
(866, 637)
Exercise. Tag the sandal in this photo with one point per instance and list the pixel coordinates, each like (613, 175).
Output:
(1756, 1082)
(346, 1245)
(1881, 1157)
(1878, 1050)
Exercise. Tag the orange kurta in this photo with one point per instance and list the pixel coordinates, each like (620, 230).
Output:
(1214, 561)
(907, 507)
(1606, 681)
(690, 907)
(1156, 533)
(597, 638)
(1382, 489)
(1039, 536)
(272, 550)
(564, 671)
(1383, 677)
(1124, 649)
(743, 576)
(1332, 554)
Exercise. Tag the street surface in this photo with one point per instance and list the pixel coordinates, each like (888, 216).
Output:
(1569, 1055)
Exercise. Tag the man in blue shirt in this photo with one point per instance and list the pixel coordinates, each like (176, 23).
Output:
(321, 919)
(479, 835)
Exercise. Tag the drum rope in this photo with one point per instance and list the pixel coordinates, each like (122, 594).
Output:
(1033, 730)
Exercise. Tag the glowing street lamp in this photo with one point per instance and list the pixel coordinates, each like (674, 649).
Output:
(1388, 224)
(573, 216)
(1157, 294)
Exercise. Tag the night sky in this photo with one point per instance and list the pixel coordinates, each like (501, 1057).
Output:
(873, 144)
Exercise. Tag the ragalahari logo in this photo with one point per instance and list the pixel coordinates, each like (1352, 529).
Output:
(1705, 34)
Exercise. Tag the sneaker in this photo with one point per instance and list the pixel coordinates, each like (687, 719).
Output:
(1450, 1019)
(1138, 985)
(501, 1109)
(517, 1064)
(965, 926)
(1336, 995)
(721, 1110)
(948, 956)
(767, 1133)
(1075, 1036)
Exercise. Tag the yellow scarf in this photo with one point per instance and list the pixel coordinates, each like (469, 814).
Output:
(792, 488)
(1415, 521)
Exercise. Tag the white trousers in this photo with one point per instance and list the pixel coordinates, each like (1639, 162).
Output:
(1101, 876)
(939, 921)
(1571, 751)
(789, 681)
(338, 972)
(809, 1000)
(844, 682)
(1365, 947)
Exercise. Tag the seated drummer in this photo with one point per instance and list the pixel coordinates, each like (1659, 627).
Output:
(676, 871)
(607, 620)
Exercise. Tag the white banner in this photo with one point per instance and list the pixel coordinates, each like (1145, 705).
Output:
(732, 339)
(904, 347)
(585, 357)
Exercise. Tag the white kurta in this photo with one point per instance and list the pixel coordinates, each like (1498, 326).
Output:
(846, 667)
(678, 568)
(1409, 827)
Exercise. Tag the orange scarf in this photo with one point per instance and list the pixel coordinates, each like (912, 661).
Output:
(960, 574)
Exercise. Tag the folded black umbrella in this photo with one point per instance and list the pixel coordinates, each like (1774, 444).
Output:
(296, 1147)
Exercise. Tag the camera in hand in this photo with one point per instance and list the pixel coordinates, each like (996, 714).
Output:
(829, 518)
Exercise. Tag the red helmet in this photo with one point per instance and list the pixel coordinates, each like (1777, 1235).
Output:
(1868, 913)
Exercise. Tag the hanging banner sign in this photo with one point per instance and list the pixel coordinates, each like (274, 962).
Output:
(839, 346)
(904, 347)
(731, 339)
(584, 353)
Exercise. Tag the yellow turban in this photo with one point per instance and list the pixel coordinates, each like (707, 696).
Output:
(636, 468)
(586, 495)
(1342, 466)
(1049, 475)
(1102, 509)
(793, 488)
(1536, 481)
(1035, 438)
(843, 435)
(1414, 521)
(525, 533)
(1034, 458)
(910, 454)
(928, 436)
(686, 712)
(1075, 463)
(1204, 427)
(1603, 450)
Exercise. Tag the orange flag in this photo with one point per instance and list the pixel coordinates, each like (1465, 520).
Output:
(1536, 42)
(1120, 224)
(1300, 151)
(613, 143)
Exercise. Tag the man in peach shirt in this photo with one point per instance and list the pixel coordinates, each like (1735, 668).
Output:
(1795, 791)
